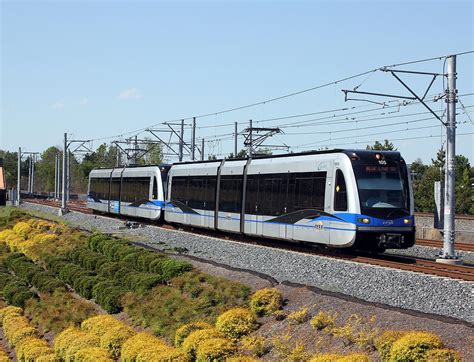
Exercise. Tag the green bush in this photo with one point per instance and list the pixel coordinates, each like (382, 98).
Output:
(108, 270)
(46, 282)
(173, 268)
(69, 271)
(85, 285)
(146, 258)
(108, 295)
(95, 240)
(56, 263)
(17, 292)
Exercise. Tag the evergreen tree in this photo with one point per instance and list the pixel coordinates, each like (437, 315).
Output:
(385, 146)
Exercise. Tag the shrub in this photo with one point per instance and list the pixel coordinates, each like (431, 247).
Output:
(183, 332)
(20, 333)
(85, 284)
(414, 346)
(173, 268)
(443, 355)
(383, 343)
(95, 241)
(22, 229)
(298, 316)
(92, 354)
(168, 355)
(266, 301)
(323, 320)
(196, 338)
(108, 296)
(83, 341)
(48, 358)
(236, 323)
(100, 324)
(241, 359)
(10, 311)
(215, 349)
(17, 292)
(355, 357)
(108, 269)
(145, 258)
(29, 349)
(64, 339)
(151, 354)
(139, 342)
(280, 315)
(256, 345)
(45, 282)
(113, 339)
(325, 357)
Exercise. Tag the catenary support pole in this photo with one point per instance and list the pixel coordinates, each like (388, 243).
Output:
(29, 174)
(63, 209)
(193, 140)
(202, 149)
(181, 136)
(448, 254)
(33, 162)
(18, 184)
(235, 139)
(68, 186)
(250, 138)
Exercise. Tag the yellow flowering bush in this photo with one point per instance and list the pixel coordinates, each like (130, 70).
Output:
(132, 347)
(92, 354)
(443, 355)
(4, 356)
(183, 332)
(241, 359)
(266, 301)
(323, 320)
(100, 324)
(11, 239)
(85, 340)
(384, 342)
(215, 349)
(162, 353)
(17, 328)
(5, 234)
(355, 357)
(236, 322)
(30, 348)
(48, 358)
(10, 311)
(325, 357)
(194, 340)
(298, 316)
(22, 229)
(113, 339)
(64, 339)
(256, 345)
(414, 346)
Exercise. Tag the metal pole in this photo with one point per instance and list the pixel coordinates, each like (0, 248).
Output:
(235, 139)
(33, 174)
(56, 177)
(202, 149)
(19, 177)
(250, 139)
(181, 135)
(193, 140)
(117, 155)
(29, 174)
(450, 176)
(68, 187)
(64, 179)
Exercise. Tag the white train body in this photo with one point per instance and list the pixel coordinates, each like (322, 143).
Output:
(336, 198)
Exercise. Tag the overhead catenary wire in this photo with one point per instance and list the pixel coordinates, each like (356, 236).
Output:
(292, 94)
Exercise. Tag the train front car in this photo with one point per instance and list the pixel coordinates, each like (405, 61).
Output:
(385, 199)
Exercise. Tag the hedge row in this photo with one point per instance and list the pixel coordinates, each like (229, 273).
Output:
(139, 259)
(14, 290)
(25, 269)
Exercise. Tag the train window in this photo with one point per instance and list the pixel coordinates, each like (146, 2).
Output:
(115, 188)
(179, 189)
(155, 189)
(99, 188)
(340, 192)
(198, 192)
(251, 195)
(135, 189)
(230, 197)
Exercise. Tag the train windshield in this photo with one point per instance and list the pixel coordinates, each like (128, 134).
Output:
(382, 189)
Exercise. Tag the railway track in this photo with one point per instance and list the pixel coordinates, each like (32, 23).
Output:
(396, 262)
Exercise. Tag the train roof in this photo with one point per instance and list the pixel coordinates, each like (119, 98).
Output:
(349, 152)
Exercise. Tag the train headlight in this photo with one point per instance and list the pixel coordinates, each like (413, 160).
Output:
(407, 221)
(364, 220)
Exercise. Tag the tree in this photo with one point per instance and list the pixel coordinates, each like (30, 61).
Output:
(386, 146)
(10, 160)
(45, 170)
(241, 154)
(464, 193)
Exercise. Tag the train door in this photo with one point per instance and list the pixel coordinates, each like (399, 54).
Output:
(251, 205)
(341, 231)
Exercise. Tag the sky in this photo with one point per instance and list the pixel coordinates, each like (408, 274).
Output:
(103, 69)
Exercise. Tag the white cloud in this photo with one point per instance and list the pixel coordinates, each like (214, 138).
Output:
(84, 101)
(132, 93)
(57, 105)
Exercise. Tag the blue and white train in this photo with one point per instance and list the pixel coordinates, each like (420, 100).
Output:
(338, 198)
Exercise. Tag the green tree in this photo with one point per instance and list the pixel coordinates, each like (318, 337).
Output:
(10, 167)
(241, 154)
(45, 170)
(385, 146)
(464, 193)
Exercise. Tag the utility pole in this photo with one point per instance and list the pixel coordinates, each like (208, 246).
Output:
(33, 173)
(235, 139)
(193, 140)
(181, 137)
(202, 149)
(29, 174)
(68, 187)
(63, 209)
(448, 254)
(19, 177)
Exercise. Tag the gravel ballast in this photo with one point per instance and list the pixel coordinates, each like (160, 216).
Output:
(396, 288)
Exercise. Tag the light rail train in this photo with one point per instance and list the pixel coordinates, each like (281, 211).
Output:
(338, 198)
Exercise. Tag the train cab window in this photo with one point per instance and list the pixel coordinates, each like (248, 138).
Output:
(155, 189)
(340, 192)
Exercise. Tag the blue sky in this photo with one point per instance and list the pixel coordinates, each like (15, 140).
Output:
(98, 69)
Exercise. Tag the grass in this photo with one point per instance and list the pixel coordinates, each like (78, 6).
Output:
(57, 311)
(193, 296)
